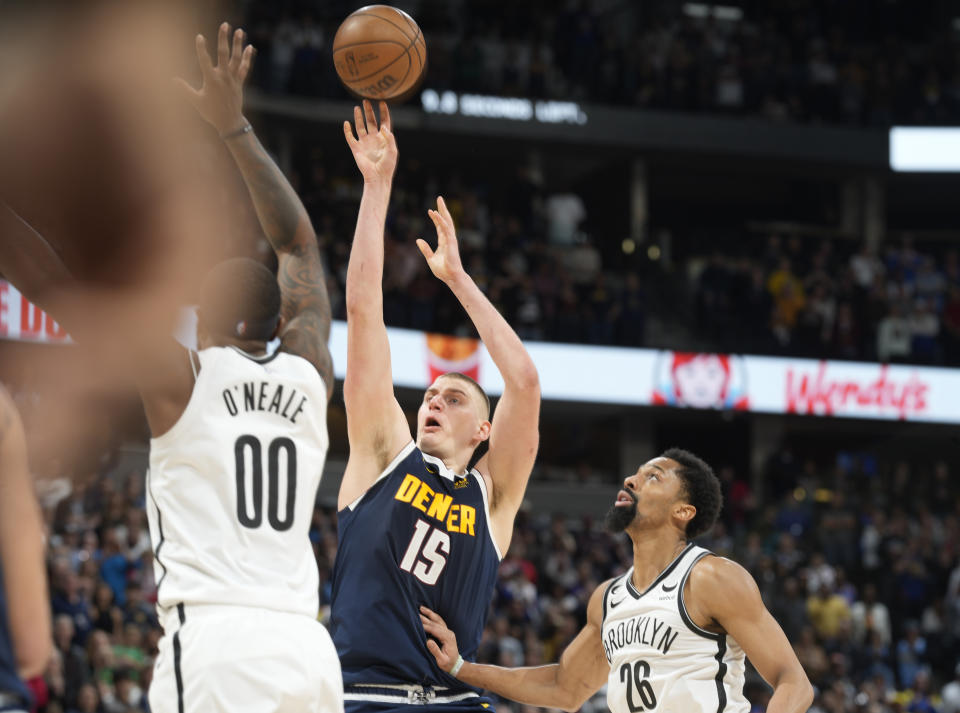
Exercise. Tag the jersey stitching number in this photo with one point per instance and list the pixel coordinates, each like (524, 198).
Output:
(632, 676)
(426, 561)
(251, 443)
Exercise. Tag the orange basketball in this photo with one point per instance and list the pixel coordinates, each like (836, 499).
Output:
(380, 53)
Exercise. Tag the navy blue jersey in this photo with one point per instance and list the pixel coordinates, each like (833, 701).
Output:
(10, 683)
(419, 536)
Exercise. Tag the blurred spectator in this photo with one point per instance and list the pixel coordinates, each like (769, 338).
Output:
(870, 616)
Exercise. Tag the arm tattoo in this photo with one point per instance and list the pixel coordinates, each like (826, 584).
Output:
(305, 305)
(282, 216)
(305, 308)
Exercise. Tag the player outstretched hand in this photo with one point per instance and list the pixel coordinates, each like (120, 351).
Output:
(445, 652)
(444, 262)
(374, 149)
(220, 97)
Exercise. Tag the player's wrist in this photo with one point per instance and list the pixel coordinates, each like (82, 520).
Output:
(457, 666)
(235, 128)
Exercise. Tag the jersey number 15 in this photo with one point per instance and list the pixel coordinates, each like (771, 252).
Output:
(251, 445)
(426, 556)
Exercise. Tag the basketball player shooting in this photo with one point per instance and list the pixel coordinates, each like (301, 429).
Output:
(417, 527)
(239, 443)
(670, 634)
(25, 638)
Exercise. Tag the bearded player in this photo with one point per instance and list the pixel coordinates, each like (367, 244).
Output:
(673, 632)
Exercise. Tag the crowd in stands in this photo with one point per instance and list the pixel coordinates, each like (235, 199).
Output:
(816, 61)
(899, 304)
(537, 257)
(860, 563)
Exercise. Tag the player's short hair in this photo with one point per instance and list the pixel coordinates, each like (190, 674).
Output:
(701, 488)
(240, 298)
(485, 400)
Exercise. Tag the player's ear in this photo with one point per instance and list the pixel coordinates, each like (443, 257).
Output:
(483, 431)
(684, 512)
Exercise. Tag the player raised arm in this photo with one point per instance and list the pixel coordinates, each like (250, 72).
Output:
(376, 426)
(514, 431)
(21, 548)
(305, 310)
(724, 592)
(582, 670)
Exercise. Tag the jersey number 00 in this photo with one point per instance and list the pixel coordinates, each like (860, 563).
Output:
(251, 444)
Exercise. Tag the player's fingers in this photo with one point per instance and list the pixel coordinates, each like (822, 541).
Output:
(385, 116)
(236, 52)
(434, 649)
(206, 66)
(358, 121)
(371, 117)
(348, 133)
(442, 205)
(249, 53)
(223, 45)
(425, 249)
(432, 614)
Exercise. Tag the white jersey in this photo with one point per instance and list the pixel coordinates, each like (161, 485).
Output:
(232, 485)
(659, 659)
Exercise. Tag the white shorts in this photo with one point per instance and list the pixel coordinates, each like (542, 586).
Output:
(237, 659)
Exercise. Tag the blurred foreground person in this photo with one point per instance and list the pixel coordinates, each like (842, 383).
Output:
(25, 634)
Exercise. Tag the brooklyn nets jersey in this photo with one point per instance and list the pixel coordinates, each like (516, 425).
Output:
(659, 659)
(232, 485)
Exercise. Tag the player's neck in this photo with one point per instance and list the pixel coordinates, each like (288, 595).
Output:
(653, 552)
(252, 347)
(456, 463)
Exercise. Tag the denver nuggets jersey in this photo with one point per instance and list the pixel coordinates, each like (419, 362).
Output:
(659, 659)
(419, 536)
(232, 485)
(12, 689)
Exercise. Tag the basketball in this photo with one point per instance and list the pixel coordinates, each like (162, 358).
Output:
(379, 53)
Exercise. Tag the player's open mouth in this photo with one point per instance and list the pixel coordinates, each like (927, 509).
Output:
(431, 425)
(624, 498)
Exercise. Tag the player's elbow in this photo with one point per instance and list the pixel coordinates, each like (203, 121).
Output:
(33, 656)
(572, 702)
(806, 693)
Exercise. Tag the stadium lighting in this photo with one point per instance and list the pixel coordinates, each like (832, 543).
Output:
(923, 149)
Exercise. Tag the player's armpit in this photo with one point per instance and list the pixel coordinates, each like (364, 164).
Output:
(722, 593)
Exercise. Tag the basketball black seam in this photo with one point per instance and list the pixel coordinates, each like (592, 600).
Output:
(370, 42)
(406, 51)
(389, 22)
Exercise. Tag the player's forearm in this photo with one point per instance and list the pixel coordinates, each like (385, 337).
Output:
(282, 217)
(364, 291)
(504, 346)
(536, 686)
